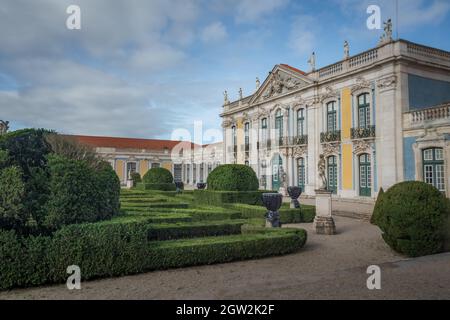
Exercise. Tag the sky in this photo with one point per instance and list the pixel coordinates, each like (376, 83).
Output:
(144, 68)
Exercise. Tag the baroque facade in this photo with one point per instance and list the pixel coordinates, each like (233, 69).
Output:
(379, 117)
(188, 162)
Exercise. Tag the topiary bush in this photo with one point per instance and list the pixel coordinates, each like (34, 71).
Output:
(374, 218)
(12, 191)
(412, 216)
(233, 177)
(136, 177)
(158, 175)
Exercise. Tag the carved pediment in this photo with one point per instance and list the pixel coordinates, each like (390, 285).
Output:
(280, 81)
(331, 149)
(361, 84)
(329, 94)
(362, 146)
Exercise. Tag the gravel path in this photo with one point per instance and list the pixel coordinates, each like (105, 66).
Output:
(330, 267)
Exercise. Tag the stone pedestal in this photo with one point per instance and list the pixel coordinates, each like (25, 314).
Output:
(129, 184)
(324, 222)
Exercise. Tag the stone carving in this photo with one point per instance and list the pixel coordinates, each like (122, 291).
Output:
(279, 85)
(299, 151)
(226, 101)
(329, 94)
(330, 149)
(321, 167)
(258, 84)
(272, 202)
(241, 95)
(387, 83)
(387, 36)
(4, 127)
(361, 84)
(312, 62)
(361, 146)
(226, 123)
(346, 50)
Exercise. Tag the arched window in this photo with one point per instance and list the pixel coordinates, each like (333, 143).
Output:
(279, 127)
(332, 174)
(433, 168)
(301, 123)
(301, 173)
(331, 116)
(247, 136)
(364, 110)
(365, 176)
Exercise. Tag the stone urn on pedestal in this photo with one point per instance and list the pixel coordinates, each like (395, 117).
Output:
(294, 193)
(323, 222)
(272, 202)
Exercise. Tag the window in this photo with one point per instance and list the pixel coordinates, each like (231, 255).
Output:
(365, 176)
(301, 173)
(131, 168)
(194, 171)
(247, 163)
(188, 173)
(301, 122)
(331, 117)
(247, 136)
(279, 127)
(332, 174)
(433, 168)
(155, 165)
(364, 110)
(209, 168)
(201, 172)
(234, 143)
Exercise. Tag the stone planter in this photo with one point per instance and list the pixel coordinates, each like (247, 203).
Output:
(272, 202)
(201, 186)
(294, 193)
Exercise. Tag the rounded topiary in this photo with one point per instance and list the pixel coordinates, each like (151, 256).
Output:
(412, 216)
(158, 175)
(233, 177)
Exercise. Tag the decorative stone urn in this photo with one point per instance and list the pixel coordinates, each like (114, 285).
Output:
(201, 186)
(273, 202)
(324, 222)
(294, 193)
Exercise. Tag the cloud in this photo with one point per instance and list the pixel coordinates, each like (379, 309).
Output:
(250, 11)
(302, 38)
(214, 32)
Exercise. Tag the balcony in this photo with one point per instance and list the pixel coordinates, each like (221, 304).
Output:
(330, 136)
(434, 116)
(363, 133)
(300, 140)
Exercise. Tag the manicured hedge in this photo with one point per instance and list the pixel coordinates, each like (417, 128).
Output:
(219, 198)
(287, 215)
(156, 186)
(113, 249)
(233, 177)
(413, 217)
(157, 176)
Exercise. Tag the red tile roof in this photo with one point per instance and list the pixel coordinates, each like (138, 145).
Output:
(293, 69)
(125, 143)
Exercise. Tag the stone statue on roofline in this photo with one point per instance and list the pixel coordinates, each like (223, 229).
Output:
(258, 83)
(388, 30)
(241, 94)
(346, 50)
(225, 98)
(312, 62)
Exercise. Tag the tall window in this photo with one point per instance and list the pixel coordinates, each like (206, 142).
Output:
(201, 172)
(433, 168)
(331, 117)
(234, 142)
(365, 176)
(279, 127)
(301, 122)
(209, 168)
(301, 173)
(332, 174)
(247, 136)
(131, 168)
(364, 110)
(264, 131)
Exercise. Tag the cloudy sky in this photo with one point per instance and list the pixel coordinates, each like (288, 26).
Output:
(142, 68)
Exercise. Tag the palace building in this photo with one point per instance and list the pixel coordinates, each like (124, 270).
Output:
(379, 117)
(188, 162)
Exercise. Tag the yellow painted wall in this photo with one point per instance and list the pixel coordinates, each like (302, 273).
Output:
(167, 165)
(346, 113)
(347, 166)
(143, 167)
(119, 169)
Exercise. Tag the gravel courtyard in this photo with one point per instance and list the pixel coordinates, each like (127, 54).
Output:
(329, 267)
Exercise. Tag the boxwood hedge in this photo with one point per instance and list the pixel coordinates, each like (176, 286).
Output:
(218, 198)
(233, 177)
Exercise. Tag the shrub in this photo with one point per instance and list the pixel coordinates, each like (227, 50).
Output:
(73, 193)
(233, 177)
(12, 191)
(287, 215)
(136, 177)
(218, 198)
(376, 210)
(412, 216)
(158, 176)
(156, 186)
(108, 192)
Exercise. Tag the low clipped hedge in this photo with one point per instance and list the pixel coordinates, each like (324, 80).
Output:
(233, 177)
(413, 217)
(114, 249)
(287, 215)
(219, 198)
(156, 186)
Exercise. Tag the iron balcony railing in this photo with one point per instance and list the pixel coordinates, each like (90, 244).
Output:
(363, 132)
(330, 136)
